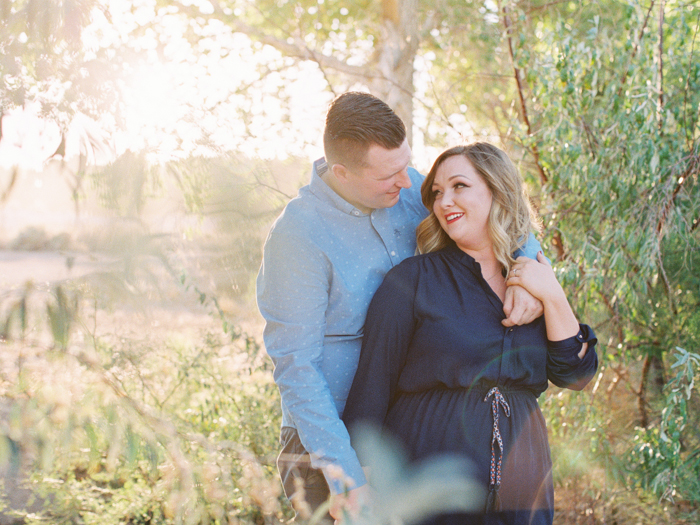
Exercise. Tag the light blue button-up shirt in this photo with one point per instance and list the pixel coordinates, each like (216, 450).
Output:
(323, 260)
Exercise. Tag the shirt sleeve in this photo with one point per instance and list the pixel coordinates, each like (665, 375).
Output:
(292, 292)
(388, 331)
(530, 248)
(564, 367)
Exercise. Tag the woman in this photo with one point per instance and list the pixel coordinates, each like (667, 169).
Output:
(437, 368)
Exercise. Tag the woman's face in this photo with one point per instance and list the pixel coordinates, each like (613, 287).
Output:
(462, 203)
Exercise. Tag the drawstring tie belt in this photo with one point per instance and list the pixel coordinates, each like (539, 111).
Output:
(493, 503)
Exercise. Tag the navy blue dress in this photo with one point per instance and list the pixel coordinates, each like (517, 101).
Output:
(433, 350)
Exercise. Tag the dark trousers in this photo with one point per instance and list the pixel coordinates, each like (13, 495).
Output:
(294, 463)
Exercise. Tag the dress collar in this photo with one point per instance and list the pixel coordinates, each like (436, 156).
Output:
(463, 258)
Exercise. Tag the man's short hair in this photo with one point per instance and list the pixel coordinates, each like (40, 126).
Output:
(354, 122)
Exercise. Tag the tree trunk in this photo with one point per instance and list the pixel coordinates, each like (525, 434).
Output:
(394, 59)
(652, 373)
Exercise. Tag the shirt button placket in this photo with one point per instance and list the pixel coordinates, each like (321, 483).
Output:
(507, 345)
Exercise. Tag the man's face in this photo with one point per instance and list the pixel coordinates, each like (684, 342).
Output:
(378, 183)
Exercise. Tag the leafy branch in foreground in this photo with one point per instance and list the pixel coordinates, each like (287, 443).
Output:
(666, 456)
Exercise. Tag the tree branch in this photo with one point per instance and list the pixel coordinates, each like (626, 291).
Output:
(660, 80)
(546, 6)
(667, 286)
(687, 82)
(521, 94)
(293, 46)
(690, 171)
(635, 48)
(615, 315)
(642, 403)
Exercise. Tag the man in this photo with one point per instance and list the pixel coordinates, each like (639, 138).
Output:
(323, 260)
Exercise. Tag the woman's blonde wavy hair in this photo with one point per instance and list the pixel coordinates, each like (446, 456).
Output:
(511, 218)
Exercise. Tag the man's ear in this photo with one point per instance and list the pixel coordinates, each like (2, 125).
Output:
(340, 172)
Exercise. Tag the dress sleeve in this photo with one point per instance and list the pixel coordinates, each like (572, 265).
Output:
(388, 331)
(292, 293)
(564, 367)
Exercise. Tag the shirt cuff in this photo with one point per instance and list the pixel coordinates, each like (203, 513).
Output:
(573, 345)
(340, 480)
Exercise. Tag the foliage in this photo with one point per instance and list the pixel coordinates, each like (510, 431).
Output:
(616, 168)
(598, 101)
(236, 200)
(605, 119)
(43, 58)
(118, 427)
(123, 185)
(666, 456)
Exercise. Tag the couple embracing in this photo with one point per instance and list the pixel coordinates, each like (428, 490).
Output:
(447, 350)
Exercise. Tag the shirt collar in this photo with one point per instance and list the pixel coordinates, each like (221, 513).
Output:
(324, 192)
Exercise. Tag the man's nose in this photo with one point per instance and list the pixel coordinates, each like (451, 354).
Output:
(404, 181)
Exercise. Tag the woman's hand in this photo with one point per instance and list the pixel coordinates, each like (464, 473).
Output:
(537, 277)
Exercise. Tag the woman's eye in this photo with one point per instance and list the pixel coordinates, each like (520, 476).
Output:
(460, 185)
(436, 193)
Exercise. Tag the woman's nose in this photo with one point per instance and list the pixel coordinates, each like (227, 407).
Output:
(446, 200)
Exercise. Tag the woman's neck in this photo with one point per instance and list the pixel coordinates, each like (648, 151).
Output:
(491, 268)
(485, 256)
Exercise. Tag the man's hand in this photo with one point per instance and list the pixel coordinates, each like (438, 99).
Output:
(351, 502)
(520, 307)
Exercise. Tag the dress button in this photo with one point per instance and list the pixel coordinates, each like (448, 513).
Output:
(355, 213)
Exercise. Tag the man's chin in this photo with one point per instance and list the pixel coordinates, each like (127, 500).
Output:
(392, 199)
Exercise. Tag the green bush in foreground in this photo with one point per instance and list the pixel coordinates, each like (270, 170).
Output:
(156, 429)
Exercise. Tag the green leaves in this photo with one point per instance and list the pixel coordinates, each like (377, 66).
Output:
(622, 200)
(663, 457)
(61, 315)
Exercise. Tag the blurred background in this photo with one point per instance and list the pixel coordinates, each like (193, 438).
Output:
(147, 146)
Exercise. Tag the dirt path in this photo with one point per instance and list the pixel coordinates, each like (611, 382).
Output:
(18, 267)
